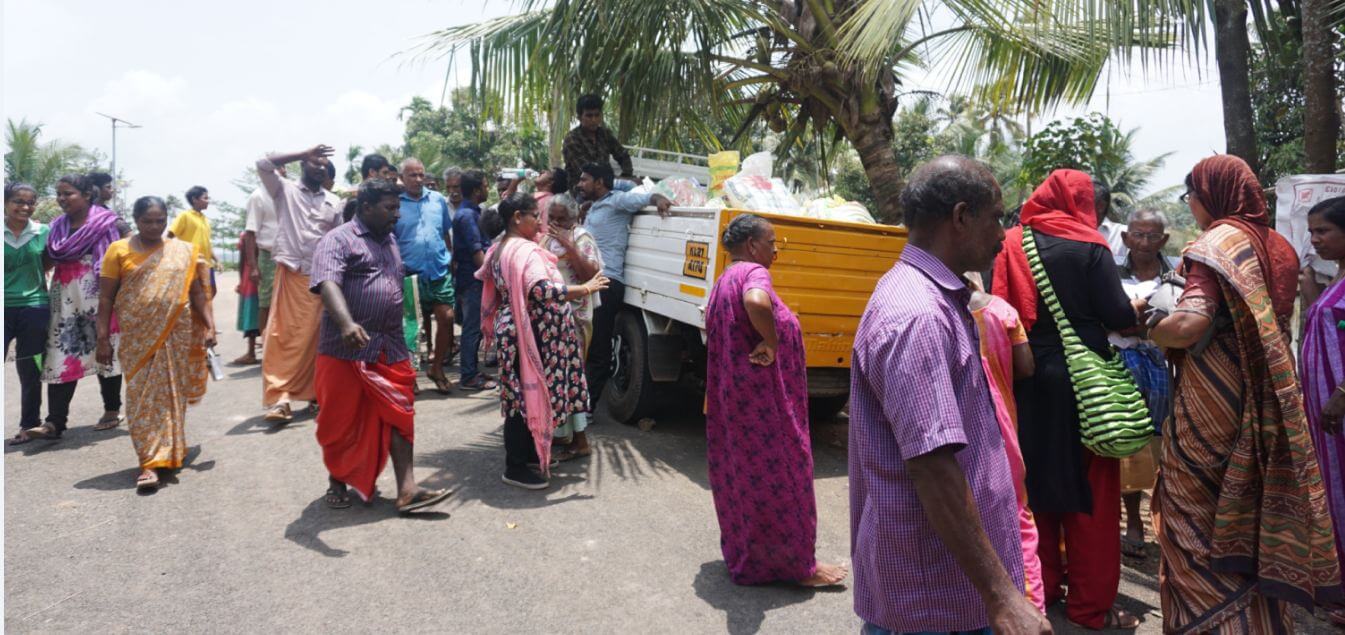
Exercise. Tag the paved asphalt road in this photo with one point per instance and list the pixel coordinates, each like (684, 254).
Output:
(241, 541)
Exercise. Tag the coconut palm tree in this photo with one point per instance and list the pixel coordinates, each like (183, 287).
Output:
(30, 160)
(826, 69)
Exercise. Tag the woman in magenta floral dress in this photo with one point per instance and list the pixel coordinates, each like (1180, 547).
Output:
(541, 372)
(75, 247)
(756, 430)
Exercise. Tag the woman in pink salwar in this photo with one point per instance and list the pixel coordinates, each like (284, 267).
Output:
(1007, 356)
(1321, 368)
(756, 429)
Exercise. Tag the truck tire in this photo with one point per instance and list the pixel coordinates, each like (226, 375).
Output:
(826, 408)
(631, 389)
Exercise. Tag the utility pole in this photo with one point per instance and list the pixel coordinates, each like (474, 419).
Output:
(117, 122)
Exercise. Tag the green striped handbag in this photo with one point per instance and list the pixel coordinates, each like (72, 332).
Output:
(1113, 418)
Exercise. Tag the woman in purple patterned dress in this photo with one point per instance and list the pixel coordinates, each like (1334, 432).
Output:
(758, 446)
(1321, 368)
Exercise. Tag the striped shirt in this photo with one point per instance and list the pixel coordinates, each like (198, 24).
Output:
(368, 268)
(918, 385)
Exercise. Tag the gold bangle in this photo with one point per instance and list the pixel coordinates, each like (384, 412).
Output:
(1340, 388)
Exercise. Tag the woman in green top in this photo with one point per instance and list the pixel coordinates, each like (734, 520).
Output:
(26, 304)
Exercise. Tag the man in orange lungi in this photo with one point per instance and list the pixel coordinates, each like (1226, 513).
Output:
(304, 213)
(364, 376)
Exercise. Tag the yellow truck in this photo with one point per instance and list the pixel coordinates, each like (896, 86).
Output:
(825, 273)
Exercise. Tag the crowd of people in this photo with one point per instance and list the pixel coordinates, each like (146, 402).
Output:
(976, 499)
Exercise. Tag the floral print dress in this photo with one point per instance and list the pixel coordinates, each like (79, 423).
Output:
(72, 336)
(557, 343)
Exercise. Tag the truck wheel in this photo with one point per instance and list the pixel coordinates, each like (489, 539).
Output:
(825, 408)
(631, 387)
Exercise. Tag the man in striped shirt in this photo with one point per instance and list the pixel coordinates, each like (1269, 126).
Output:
(364, 375)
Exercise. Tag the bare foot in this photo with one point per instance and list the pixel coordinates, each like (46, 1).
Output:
(247, 359)
(826, 575)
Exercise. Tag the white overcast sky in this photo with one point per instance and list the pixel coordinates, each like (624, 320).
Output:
(216, 84)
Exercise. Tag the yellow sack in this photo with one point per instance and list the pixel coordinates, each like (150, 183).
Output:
(722, 166)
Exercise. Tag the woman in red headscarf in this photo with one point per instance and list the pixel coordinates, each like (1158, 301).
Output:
(1240, 510)
(1074, 494)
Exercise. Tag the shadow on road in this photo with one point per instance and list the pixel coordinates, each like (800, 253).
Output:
(316, 518)
(72, 439)
(245, 372)
(473, 471)
(259, 425)
(1150, 619)
(745, 607)
(125, 479)
(676, 443)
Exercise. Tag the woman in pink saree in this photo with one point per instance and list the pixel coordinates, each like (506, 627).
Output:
(756, 426)
(525, 308)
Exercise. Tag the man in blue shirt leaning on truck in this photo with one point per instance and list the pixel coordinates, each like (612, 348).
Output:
(609, 222)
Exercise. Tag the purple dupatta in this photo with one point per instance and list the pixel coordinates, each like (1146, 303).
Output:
(93, 237)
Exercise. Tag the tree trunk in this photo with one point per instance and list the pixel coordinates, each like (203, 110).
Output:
(871, 137)
(1231, 51)
(1321, 112)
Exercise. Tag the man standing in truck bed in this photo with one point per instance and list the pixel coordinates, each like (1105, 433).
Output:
(592, 142)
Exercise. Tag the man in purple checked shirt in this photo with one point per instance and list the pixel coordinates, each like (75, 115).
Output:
(933, 512)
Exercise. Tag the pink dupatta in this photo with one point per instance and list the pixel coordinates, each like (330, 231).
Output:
(523, 263)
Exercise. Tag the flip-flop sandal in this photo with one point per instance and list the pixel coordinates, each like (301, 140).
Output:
(479, 383)
(1133, 548)
(337, 499)
(146, 484)
(441, 384)
(567, 455)
(279, 414)
(1112, 622)
(108, 423)
(20, 438)
(44, 431)
(424, 499)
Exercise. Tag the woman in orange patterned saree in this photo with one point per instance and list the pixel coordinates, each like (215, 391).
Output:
(155, 287)
(1239, 508)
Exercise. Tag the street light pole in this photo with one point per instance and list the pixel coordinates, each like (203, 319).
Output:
(117, 122)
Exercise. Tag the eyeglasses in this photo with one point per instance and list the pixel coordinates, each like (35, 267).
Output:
(1147, 236)
(1185, 197)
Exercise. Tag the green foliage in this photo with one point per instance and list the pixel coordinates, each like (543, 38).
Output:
(1276, 70)
(229, 220)
(1095, 145)
(923, 131)
(40, 163)
(469, 135)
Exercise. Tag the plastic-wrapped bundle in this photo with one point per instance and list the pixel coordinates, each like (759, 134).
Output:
(1113, 417)
(837, 208)
(682, 192)
(761, 194)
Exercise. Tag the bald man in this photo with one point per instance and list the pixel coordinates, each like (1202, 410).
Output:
(423, 238)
